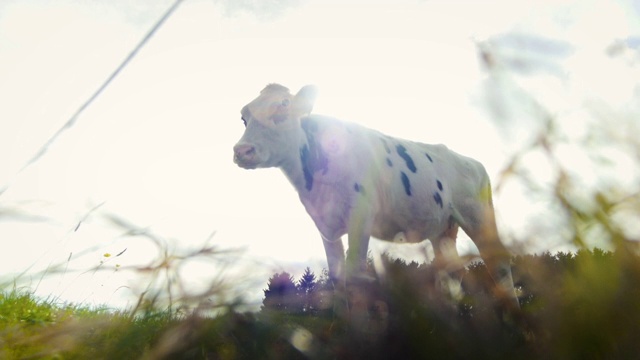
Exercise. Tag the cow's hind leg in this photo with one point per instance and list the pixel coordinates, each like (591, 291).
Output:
(477, 219)
(448, 266)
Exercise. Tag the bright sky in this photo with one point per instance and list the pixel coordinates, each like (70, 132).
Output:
(156, 147)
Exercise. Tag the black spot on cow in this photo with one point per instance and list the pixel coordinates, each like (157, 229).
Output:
(402, 151)
(389, 162)
(428, 157)
(358, 188)
(439, 184)
(406, 183)
(306, 168)
(312, 155)
(386, 146)
(438, 199)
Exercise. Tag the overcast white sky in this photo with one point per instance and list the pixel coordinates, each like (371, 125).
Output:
(156, 147)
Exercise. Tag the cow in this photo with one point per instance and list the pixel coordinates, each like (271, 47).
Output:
(357, 181)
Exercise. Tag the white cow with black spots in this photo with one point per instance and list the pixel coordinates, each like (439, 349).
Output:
(357, 181)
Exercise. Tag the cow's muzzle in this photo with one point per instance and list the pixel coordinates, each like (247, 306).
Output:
(245, 156)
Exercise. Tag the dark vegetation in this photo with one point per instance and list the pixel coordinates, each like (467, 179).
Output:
(576, 306)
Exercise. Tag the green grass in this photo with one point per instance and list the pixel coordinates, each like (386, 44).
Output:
(34, 328)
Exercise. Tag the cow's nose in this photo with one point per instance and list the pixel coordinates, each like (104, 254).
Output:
(243, 152)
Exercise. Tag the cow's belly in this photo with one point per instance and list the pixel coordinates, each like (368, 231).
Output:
(409, 221)
(409, 229)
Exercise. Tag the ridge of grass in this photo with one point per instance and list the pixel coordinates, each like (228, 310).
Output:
(585, 305)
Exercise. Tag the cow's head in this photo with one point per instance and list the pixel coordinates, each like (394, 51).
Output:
(272, 124)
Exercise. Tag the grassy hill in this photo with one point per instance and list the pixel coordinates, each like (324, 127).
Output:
(575, 306)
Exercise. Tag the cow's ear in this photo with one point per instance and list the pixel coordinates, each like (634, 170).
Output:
(305, 98)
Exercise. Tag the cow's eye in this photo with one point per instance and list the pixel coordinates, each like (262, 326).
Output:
(244, 121)
(285, 102)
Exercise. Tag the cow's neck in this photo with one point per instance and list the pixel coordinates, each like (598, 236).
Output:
(293, 171)
(306, 159)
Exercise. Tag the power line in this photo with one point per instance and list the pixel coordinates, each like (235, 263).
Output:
(73, 119)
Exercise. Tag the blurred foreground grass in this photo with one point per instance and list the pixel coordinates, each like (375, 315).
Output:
(583, 305)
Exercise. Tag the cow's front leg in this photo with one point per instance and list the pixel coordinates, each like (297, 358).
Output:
(335, 259)
(334, 250)
(358, 281)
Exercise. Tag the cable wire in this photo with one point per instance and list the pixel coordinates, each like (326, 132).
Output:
(74, 118)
